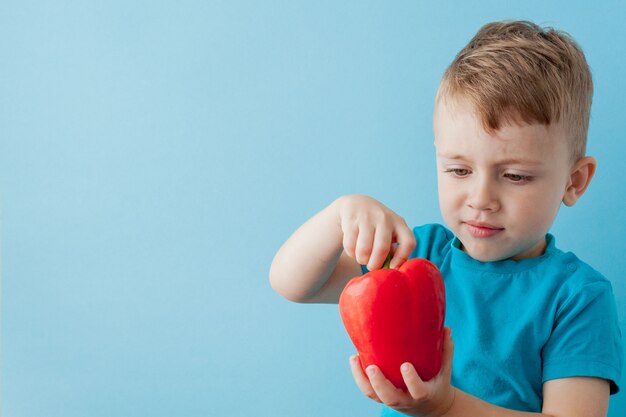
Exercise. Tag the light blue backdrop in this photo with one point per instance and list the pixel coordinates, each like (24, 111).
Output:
(155, 155)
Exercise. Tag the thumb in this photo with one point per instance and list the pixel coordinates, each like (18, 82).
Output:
(448, 351)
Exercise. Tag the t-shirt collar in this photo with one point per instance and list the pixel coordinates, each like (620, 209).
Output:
(507, 266)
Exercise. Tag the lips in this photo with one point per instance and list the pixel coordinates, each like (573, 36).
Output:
(481, 229)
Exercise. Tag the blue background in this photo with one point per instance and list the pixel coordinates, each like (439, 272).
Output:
(155, 155)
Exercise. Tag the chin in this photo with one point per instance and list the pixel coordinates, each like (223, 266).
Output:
(484, 254)
(486, 258)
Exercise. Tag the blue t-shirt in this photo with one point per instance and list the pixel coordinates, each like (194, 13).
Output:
(517, 324)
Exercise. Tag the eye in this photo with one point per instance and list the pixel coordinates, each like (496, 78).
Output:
(518, 178)
(459, 172)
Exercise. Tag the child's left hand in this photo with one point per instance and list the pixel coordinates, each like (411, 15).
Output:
(432, 398)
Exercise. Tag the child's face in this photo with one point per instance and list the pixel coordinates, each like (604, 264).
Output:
(499, 193)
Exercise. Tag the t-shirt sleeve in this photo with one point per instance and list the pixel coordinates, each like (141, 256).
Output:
(586, 340)
(432, 242)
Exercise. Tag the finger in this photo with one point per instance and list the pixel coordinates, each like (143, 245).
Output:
(448, 352)
(394, 247)
(380, 250)
(406, 244)
(350, 233)
(414, 384)
(364, 244)
(361, 379)
(386, 391)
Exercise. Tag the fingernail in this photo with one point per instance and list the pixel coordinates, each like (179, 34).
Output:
(371, 371)
(404, 367)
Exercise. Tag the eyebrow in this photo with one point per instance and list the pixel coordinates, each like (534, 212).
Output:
(509, 161)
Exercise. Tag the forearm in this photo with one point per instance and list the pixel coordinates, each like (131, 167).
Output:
(306, 260)
(467, 405)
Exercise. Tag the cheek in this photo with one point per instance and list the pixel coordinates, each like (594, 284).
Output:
(540, 208)
(441, 190)
(444, 186)
(449, 196)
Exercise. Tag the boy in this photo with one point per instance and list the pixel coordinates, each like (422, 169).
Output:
(535, 328)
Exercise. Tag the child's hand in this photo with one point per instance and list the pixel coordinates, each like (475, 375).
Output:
(426, 399)
(370, 231)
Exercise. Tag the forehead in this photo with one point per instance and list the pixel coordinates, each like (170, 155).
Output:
(458, 129)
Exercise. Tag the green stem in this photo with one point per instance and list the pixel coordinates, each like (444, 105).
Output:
(387, 261)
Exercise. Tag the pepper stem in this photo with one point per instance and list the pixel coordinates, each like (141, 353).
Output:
(387, 261)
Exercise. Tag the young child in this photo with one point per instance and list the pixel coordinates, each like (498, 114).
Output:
(535, 329)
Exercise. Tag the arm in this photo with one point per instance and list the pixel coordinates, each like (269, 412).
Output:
(323, 254)
(579, 396)
(566, 397)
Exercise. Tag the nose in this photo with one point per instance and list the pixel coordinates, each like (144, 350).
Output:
(483, 194)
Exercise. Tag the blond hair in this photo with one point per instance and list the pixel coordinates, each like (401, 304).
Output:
(516, 71)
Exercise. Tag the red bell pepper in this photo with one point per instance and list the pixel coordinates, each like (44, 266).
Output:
(396, 315)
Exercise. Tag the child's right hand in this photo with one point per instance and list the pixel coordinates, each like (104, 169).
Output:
(371, 230)
(323, 254)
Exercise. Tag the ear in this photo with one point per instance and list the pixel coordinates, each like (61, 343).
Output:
(579, 179)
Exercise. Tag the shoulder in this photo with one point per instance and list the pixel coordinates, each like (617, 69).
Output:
(577, 276)
(586, 338)
(576, 284)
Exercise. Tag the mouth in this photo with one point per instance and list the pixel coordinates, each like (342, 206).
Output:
(482, 229)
